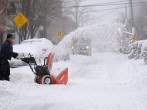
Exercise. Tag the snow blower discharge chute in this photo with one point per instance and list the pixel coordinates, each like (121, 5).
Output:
(42, 72)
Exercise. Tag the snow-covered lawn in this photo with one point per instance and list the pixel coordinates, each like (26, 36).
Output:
(103, 81)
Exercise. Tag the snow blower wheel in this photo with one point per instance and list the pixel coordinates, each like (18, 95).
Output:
(46, 79)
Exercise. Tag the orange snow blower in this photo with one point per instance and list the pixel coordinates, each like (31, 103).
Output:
(42, 72)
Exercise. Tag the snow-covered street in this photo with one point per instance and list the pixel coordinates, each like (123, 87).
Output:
(103, 81)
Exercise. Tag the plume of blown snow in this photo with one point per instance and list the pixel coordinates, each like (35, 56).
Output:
(103, 37)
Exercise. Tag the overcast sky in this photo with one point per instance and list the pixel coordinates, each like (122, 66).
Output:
(105, 15)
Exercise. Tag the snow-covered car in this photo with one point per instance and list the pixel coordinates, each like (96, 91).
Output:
(38, 48)
(81, 45)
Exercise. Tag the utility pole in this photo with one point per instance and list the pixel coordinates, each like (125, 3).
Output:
(126, 11)
(132, 15)
(142, 19)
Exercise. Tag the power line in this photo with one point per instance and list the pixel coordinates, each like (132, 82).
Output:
(109, 9)
(122, 1)
(113, 8)
(109, 12)
(106, 4)
(109, 4)
(116, 8)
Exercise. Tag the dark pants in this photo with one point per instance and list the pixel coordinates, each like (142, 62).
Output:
(4, 70)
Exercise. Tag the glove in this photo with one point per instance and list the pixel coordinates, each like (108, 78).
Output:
(20, 55)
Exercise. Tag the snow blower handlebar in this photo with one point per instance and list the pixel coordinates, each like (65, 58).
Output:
(31, 61)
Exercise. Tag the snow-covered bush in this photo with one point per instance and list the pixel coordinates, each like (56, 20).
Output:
(123, 38)
(137, 49)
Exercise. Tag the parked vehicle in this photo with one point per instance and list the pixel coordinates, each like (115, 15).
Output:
(38, 48)
(81, 45)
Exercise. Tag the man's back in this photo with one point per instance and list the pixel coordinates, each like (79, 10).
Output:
(6, 50)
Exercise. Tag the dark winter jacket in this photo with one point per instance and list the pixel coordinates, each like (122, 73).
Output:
(7, 51)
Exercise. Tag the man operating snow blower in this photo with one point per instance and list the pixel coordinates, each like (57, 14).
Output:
(42, 72)
(6, 53)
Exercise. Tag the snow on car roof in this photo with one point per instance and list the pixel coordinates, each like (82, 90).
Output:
(35, 40)
(35, 47)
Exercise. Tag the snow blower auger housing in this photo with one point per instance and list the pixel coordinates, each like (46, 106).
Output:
(42, 72)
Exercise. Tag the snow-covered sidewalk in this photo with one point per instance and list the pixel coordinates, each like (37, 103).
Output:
(103, 81)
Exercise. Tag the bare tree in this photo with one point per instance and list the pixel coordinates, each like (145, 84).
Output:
(78, 14)
(3, 13)
(37, 12)
(3, 5)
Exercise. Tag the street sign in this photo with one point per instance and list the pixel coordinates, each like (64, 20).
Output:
(20, 20)
(59, 34)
